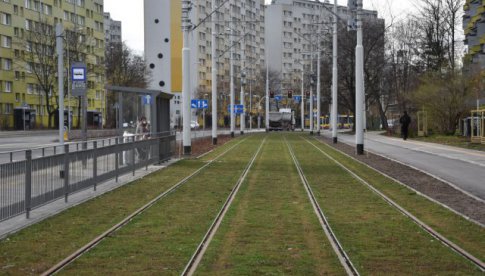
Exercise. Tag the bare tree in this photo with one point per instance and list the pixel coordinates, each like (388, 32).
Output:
(125, 68)
(40, 60)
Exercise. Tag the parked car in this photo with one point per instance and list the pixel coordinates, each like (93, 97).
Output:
(194, 125)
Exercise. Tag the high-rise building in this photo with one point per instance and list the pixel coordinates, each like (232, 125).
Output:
(27, 52)
(243, 20)
(295, 30)
(112, 30)
(474, 27)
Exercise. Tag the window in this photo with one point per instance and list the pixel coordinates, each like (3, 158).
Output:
(8, 108)
(28, 4)
(8, 87)
(29, 67)
(5, 18)
(17, 97)
(66, 15)
(7, 64)
(30, 88)
(17, 75)
(6, 41)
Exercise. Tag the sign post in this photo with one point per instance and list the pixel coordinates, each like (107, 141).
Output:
(79, 77)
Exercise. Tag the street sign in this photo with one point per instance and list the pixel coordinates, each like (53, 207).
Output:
(199, 104)
(78, 77)
(238, 109)
(297, 99)
(278, 98)
(147, 100)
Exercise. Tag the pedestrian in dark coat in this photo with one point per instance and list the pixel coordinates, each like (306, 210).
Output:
(405, 120)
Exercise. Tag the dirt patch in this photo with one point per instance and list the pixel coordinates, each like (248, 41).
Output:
(203, 145)
(419, 181)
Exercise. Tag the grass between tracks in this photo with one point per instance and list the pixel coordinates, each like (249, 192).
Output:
(163, 238)
(37, 248)
(466, 234)
(271, 228)
(378, 239)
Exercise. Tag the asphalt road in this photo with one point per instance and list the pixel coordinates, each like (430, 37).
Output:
(461, 167)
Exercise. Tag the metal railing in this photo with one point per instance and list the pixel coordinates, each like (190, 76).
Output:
(47, 174)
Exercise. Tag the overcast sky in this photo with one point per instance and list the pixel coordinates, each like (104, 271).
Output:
(130, 12)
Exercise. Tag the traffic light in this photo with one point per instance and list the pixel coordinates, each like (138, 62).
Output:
(307, 94)
(290, 94)
(271, 94)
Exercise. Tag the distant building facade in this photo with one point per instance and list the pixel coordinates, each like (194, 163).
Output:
(474, 27)
(112, 30)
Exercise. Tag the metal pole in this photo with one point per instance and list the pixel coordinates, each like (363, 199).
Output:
(231, 64)
(186, 26)
(243, 80)
(318, 89)
(359, 83)
(68, 89)
(267, 93)
(60, 73)
(214, 76)
(310, 110)
(302, 104)
(334, 76)
(250, 106)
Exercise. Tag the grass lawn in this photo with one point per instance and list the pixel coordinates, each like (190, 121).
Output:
(37, 248)
(378, 238)
(162, 239)
(271, 227)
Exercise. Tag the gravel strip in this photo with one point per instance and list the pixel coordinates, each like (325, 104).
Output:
(419, 181)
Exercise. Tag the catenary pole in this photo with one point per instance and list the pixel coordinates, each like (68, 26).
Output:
(231, 65)
(214, 76)
(334, 76)
(359, 83)
(186, 27)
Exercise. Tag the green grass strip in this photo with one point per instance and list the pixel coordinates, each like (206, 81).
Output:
(162, 239)
(378, 238)
(35, 249)
(271, 228)
(457, 229)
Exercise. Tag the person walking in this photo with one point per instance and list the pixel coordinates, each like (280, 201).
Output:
(142, 132)
(405, 120)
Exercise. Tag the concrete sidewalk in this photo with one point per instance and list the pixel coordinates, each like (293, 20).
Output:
(19, 222)
(462, 168)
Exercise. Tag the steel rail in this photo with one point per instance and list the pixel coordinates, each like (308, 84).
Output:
(71, 258)
(420, 223)
(204, 244)
(336, 245)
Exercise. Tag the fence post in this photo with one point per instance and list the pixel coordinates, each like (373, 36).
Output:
(133, 155)
(95, 164)
(117, 158)
(28, 182)
(11, 157)
(66, 172)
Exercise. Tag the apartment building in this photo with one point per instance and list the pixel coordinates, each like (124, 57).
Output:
(241, 20)
(295, 30)
(112, 30)
(20, 88)
(474, 26)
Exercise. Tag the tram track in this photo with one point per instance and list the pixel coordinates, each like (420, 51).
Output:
(453, 246)
(93, 243)
(336, 245)
(194, 261)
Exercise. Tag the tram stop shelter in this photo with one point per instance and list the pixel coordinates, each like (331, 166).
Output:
(478, 126)
(158, 104)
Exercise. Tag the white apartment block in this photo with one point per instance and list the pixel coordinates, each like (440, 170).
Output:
(294, 28)
(243, 20)
(112, 29)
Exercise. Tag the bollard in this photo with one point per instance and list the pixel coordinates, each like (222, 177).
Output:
(117, 159)
(133, 155)
(66, 172)
(28, 183)
(95, 164)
